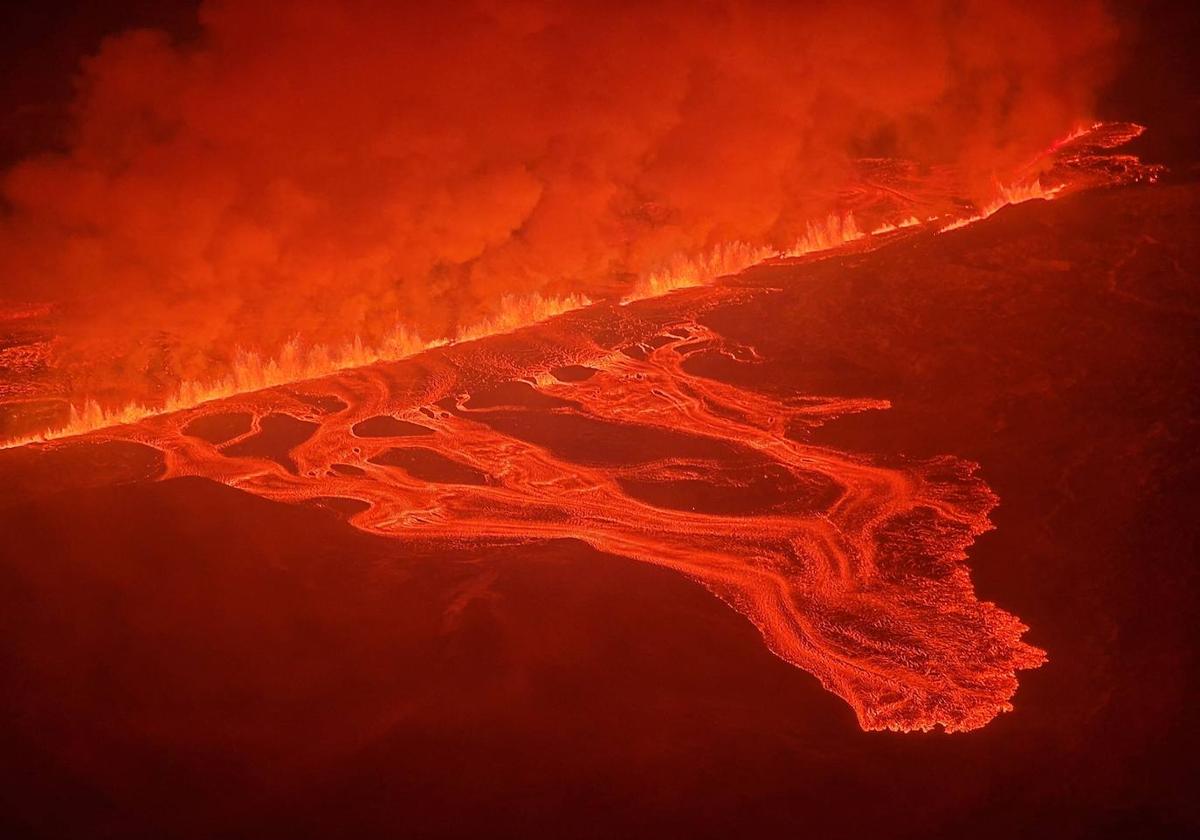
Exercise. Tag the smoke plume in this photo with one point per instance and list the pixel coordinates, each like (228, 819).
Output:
(331, 169)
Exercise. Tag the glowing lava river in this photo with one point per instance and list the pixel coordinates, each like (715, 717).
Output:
(621, 426)
(594, 426)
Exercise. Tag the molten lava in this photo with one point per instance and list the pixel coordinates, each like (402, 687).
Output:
(850, 569)
(599, 425)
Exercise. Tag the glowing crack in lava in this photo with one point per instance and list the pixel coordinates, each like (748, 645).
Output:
(850, 569)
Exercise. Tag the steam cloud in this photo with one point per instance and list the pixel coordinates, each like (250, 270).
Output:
(328, 169)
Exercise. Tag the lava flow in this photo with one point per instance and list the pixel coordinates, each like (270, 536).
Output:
(599, 430)
(602, 425)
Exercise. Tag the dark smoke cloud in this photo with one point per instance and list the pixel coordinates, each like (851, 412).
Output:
(329, 168)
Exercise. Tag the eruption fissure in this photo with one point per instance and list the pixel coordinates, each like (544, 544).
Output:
(297, 362)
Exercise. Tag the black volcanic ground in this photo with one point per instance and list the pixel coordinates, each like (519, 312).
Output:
(182, 659)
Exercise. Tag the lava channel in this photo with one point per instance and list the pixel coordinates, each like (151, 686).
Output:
(591, 427)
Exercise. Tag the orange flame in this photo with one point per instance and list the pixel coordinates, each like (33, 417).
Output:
(297, 362)
(888, 227)
(684, 271)
(1014, 194)
(836, 230)
(727, 258)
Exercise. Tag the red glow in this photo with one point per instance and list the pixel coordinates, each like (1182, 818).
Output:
(554, 418)
(853, 574)
(1080, 160)
(824, 556)
(850, 569)
(311, 186)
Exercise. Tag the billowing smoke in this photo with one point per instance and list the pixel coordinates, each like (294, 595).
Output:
(331, 168)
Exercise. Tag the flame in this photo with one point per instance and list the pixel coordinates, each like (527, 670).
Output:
(517, 311)
(888, 227)
(1079, 131)
(1007, 195)
(683, 271)
(297, 362)
(836, 230)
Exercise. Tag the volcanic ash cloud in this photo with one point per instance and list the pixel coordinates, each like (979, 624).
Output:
(330, 170)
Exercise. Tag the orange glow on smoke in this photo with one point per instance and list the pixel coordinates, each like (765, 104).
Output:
(309, 186)
(596, 426)
(296, 362)
(251, 371)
